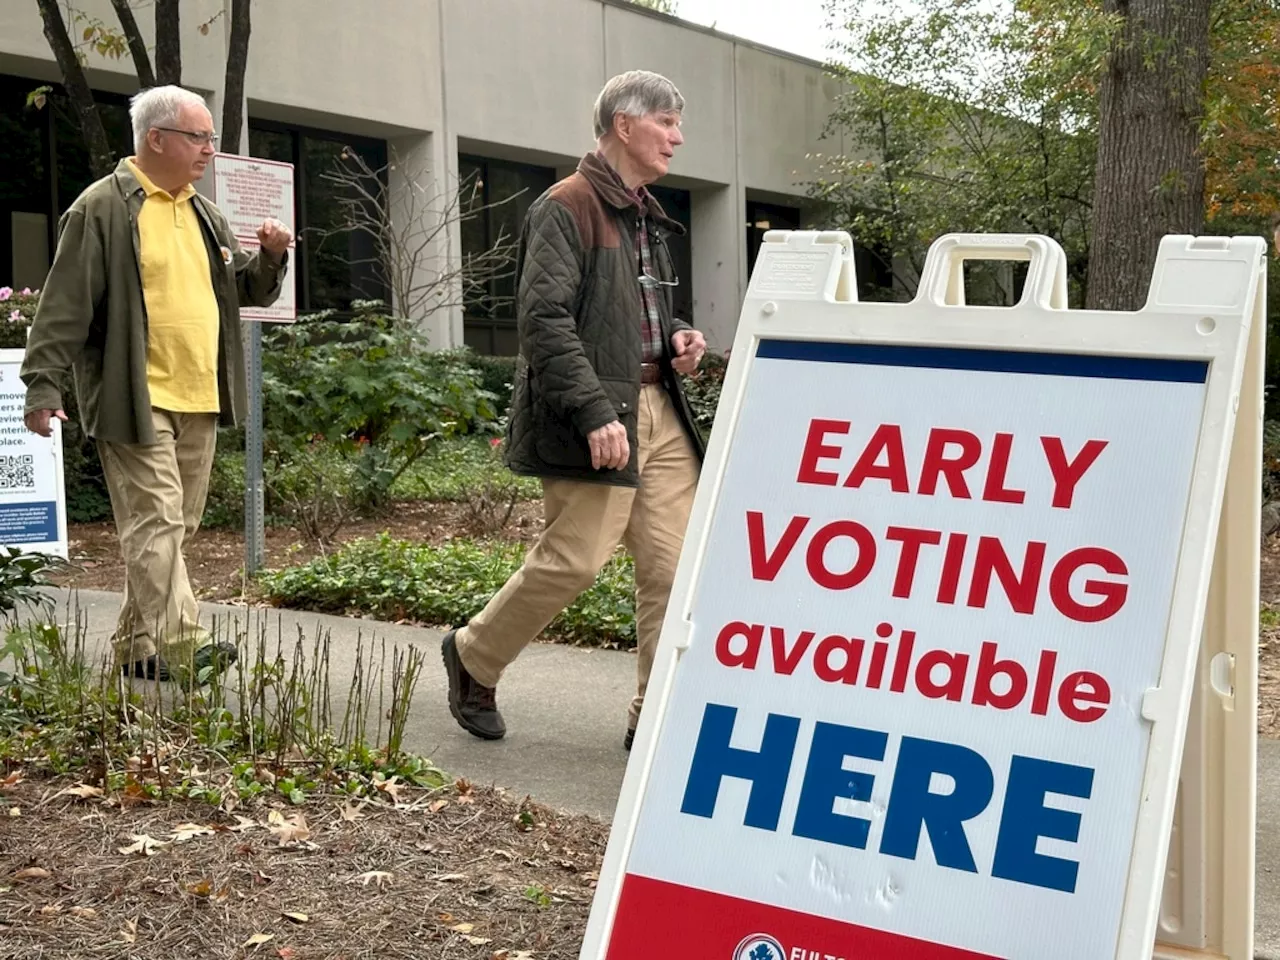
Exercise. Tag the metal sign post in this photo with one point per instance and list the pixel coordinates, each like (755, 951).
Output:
(255, 534)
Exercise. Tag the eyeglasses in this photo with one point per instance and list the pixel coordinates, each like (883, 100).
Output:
(648, 280)
(196, 137)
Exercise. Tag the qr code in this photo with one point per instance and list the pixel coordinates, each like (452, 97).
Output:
(17, 472)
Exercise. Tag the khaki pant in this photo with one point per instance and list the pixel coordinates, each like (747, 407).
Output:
(158, 493)
(584, 522)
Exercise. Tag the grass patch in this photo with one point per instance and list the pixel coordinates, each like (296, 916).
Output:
(445, 585)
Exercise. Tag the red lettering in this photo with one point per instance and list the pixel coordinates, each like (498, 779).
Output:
(902, 662)
(1021, 591)
(989, 668)
(1067, 473)
(886, 441)
(1044, 683)
(815, 450)
(937, 465)
(879, 656)
(1084, 687)
(817, 562)
(785, 661)
(952, 561)
(1112, 594)
(912, 540)
(851, 647)
(765, 565)
(957, 665)
(753, 633)
(995, 490)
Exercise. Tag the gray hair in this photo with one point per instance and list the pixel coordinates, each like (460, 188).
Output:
(636, 93)
(159, 107)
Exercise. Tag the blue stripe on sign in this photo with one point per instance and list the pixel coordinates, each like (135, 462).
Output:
(995, 361)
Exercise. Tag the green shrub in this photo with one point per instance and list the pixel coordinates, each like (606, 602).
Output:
(703, 390)
(446, 585)
(452, 469)
(497, 376)
(225, 505)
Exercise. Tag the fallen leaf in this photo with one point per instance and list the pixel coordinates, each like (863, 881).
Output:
(477, 941)
(15, 811)
(449, 877)
(463, 927)
(50, 910)
(84, 913)
(258, 939)
(291, 830)
(438, 806)
(11, 781)
(380, 876)
(33, 873)
(296, 917)
(349, 813)
(201, 889)
(464, 789)
(243, 824)
(391, 788)
(188, 831)
(144, 845)
(83, 791)
(130, 931)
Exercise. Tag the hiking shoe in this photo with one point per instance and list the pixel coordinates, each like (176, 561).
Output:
(472, 704)
(629, 739)
(152, 668)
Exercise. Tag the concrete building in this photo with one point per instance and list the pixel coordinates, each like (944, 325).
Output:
(496, 92)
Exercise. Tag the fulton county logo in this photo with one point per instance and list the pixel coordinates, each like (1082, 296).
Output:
(759, 946)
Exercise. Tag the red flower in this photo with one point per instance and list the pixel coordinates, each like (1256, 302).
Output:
(495, 442)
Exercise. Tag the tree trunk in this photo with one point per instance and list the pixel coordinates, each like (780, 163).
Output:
(168, 43)
(233, 89)
(137, 46)
(1150, 177)
(101, 160)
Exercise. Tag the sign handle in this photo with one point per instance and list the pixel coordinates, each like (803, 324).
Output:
(942, 280)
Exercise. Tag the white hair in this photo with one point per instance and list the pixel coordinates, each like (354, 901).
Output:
(636, 93)
(159, 107)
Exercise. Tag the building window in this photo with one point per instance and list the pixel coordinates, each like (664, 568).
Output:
(496, 195)
(763, 217)
(337, 264)
(44, 166)
(676, 204)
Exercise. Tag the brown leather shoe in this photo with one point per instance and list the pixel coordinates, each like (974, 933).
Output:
(472, 704)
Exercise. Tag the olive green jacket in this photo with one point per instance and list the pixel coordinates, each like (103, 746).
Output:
(92, 319)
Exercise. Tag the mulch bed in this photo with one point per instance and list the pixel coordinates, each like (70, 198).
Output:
(464, 873)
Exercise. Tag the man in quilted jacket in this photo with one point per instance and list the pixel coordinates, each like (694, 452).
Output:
(597, 410)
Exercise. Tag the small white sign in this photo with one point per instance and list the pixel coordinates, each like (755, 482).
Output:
(33, 503)
(284, 310)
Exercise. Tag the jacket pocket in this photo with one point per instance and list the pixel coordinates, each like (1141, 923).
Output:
(559, 443)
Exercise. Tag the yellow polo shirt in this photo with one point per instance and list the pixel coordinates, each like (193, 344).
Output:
(182, 310)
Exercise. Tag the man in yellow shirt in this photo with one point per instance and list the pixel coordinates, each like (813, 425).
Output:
(142, 303)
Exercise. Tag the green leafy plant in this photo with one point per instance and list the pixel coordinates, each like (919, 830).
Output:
(446, 584)
(702, 390)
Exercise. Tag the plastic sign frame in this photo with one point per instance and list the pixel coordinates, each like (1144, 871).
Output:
(1206, 295)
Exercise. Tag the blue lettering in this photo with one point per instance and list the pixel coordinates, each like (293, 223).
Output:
(825, 779)
(767, 770)
(1026, 819)
(912, 806)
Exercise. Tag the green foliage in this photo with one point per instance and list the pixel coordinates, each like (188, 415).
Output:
(972, 118)
(452, 469)
(22, 575)
(497, 375)
(446, 585)
(703, 390)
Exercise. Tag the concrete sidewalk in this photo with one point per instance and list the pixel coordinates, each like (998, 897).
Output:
(566, 713)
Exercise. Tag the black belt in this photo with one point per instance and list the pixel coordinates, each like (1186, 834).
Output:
(650, 372)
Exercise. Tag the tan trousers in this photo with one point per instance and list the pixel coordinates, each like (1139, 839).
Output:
(158, 494)
(584, 522)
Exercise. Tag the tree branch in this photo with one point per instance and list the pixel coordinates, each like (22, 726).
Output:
(168, 43)
(101, 160)
(233, 89)
(137, 46)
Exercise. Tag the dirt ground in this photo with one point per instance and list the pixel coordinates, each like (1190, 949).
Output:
(470, 875)
(215, 559)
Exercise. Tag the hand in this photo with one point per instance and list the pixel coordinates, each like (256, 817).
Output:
(689, 346)
(38, 421)
(274, 237)
(609, 446)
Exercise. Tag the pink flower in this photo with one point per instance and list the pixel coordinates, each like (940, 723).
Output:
(26, 292)
(495, 442)
(6, 293)
(15, 316)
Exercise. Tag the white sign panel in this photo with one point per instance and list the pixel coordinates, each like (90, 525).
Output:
(925, 675)
(248, 190)
(33, 506)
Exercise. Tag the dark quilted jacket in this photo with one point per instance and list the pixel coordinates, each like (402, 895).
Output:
(578, 309)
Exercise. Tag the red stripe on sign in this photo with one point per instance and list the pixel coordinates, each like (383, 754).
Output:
(659, 919)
